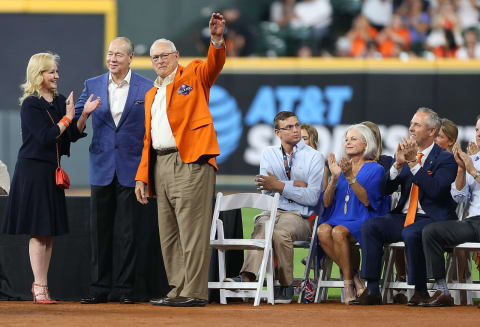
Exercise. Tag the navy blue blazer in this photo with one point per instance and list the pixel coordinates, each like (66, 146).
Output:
(434, 180)
(115, 149)
(39, 133)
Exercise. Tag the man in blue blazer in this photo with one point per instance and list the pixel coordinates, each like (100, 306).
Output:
(424, 172)
(115, 151)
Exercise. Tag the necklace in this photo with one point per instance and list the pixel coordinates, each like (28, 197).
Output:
(347, 198)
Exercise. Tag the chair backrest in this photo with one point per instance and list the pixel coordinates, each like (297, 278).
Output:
(243, 200)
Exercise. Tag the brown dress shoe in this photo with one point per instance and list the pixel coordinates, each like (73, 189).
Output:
(367, 299)
(439, 300)
(418, 298)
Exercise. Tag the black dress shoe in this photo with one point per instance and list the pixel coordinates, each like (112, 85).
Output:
(181, 301)
(367, 299)
(160, 301)
(439, 300)
(125, 299)
(418, 298)
(94, 299)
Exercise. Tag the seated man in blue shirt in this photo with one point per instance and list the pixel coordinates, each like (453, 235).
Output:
(295, 170)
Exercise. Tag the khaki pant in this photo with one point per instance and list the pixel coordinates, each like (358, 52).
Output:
(290, 226)
(184, 200)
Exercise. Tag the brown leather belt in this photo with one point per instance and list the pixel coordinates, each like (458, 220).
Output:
(164, 152)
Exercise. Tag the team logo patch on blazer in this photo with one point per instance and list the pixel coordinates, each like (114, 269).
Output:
(184, 89)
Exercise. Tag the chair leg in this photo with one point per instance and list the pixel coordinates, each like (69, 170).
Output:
(222, 274)
(388, 260)
(270, 270)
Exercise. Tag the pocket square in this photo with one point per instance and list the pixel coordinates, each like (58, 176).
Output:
(184, 89)
(429, 172)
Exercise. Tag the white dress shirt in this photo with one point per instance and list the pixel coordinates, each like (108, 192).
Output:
(162, 136)
(117, 96)
(471, 190)
(394, 173)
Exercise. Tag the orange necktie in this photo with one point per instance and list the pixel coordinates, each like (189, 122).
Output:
(412, 206)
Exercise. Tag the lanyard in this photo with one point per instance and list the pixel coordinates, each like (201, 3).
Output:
(287, 163)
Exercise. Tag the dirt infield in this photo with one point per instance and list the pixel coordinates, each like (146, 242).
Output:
(326, 314)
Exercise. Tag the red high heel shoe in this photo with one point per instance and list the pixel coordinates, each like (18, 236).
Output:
(41, 297)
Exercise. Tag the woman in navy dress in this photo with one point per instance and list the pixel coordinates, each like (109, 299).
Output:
(36, 205)
(353, 194)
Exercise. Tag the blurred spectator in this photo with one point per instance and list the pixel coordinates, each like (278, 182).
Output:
(282, 12)
(467, 11)
(360, 35)
(238, 38)
(417, 21)
(283, 34)
(470, 48)
(378, 12)
(394, 38)
(316, 15)
(238, 35)
(4, 179)
(445, 36)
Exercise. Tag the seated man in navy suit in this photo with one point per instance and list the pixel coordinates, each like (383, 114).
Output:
(425, 172)
(115, 151)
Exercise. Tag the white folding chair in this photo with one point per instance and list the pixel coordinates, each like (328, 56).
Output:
(244, 289)
(311, 260)
(472, 287)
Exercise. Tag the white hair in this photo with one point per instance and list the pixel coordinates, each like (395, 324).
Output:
(172, 45)
(370, 152)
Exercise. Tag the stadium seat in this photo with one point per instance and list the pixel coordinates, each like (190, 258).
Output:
(218, 242)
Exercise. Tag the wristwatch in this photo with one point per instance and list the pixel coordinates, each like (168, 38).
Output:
(476, 175)
(354, 180)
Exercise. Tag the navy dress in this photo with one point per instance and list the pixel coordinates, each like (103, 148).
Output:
(36, 205)
(370, 176)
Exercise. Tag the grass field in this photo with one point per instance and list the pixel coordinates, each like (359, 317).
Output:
(248, 224)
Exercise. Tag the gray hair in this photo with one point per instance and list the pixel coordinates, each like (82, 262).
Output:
(370, 152)
(433, 120)
(172, 45)
(127, 41)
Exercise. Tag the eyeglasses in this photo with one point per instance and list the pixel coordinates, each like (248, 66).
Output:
(290, 127)
(163, 56)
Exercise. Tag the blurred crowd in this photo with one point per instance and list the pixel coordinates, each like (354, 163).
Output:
(357, 28)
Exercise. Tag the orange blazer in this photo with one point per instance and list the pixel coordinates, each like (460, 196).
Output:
(188, 115)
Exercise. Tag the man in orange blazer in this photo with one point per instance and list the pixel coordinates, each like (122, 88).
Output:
(178, 163)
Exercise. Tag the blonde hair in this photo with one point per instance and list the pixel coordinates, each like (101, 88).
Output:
(312, 134)
(450, 130)
(378, 137)
(37, 64)
(368, 137)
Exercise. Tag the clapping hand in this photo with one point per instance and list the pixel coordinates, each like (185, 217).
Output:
(456, 154)
(90, 105)
(410, 147)
(333, 166)
(70, 108)
(472, 148)
(346, 167)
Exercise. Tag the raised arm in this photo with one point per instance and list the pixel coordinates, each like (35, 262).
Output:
(211, 68)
